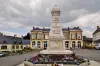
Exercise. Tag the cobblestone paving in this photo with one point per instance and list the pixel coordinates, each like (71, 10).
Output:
(15, 60)
(91, 54)
(94, 63)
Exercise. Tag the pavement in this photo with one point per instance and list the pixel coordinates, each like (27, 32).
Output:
(92, 63)
(92, 54)
(18, 59)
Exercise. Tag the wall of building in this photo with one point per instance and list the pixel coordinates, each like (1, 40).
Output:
(9, 47)
(96, 36)
(73, 35)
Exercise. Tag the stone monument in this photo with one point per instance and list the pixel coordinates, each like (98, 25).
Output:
(56, 54)
(56, 37)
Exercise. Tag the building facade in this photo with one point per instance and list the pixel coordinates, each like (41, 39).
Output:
(11, 43)
(96, 36)
(39, 38)
(87, 42)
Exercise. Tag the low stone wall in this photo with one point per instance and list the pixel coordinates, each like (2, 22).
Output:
(26, 63)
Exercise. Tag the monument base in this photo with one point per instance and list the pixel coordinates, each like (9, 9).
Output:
(56, 52)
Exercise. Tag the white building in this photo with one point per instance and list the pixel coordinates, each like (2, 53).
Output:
(96, 36)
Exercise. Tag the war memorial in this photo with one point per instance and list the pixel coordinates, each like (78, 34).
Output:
(56, 54)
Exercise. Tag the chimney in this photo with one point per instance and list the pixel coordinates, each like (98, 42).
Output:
(74, 27)
(33, 27)
(22, 36)
(15, 35)
(68, 28)
(43, 28)
(78, 27)
(97, 27)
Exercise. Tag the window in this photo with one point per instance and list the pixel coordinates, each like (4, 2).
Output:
(78, 35)
(39, 36)
(73, 44)
(66, 44)
(13, 47)
(66, 35)
(73, 35)
(38, 44)
(15, 42)
(4, 42)
(17, 47)
(55, 65)
(3, 47)
(20, 42)
(21, 46)
(33, 43)
(79, 44)
(45, 44)
(33, 36)
(46, 36)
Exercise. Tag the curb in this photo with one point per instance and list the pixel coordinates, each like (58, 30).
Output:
(92, 63)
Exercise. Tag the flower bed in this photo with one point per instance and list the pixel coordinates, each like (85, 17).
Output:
(59, 59)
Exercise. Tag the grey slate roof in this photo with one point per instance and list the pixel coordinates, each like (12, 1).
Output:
(13, 40)
(26, 41)
(97, 30)
(46, 29)
(98, 41)
(87, 39)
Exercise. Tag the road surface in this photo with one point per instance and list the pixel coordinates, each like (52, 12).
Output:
(17, 59)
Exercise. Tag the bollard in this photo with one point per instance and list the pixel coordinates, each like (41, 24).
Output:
(25, 59)
(78, 64)
(88, 62)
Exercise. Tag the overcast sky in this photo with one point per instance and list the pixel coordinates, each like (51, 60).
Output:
(19, 16)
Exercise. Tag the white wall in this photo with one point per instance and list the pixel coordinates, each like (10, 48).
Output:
(96, 36)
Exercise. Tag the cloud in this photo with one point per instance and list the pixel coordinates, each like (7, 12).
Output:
(28, 13)
(87, 33)
(86, 22)
(12, 33)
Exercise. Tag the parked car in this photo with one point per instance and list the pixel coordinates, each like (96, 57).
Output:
(2, 54)
(90, 46)
(97, 46)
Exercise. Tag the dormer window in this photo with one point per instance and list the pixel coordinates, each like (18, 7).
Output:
(4, 42)
(20, 42)
(15, 42)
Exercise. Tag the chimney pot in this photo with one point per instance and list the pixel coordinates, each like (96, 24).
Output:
(68, 27)
(33, 27)
(97, 27)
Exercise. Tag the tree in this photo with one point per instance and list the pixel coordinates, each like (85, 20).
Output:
(27, 36)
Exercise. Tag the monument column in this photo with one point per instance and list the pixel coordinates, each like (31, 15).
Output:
(56, 35)
(56, 38)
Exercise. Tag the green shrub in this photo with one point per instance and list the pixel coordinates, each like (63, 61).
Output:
(27, 49)
(19, 51)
